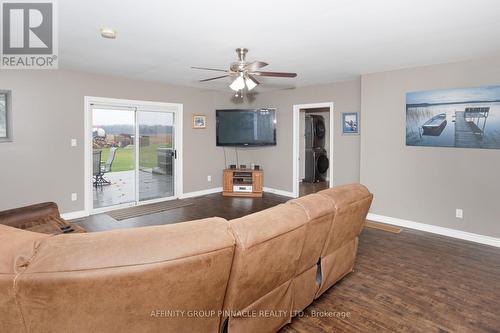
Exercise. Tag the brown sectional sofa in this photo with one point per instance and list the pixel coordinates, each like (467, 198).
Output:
(211, 275)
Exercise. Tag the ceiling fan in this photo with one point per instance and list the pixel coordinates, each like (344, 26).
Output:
(243, 73)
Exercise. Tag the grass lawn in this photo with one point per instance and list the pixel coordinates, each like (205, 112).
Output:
(124, 158)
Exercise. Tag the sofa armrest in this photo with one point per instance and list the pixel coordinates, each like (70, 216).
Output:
(25, 217)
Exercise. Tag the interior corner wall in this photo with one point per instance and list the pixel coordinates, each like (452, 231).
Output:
(277, 161)
(48, 111)
(427, 184)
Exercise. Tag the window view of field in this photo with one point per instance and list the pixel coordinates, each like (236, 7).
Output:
(125, 157)
(117, 130)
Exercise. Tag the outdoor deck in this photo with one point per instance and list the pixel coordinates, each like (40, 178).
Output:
(122, 186)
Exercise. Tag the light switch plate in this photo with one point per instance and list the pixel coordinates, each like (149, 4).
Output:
(73, 143)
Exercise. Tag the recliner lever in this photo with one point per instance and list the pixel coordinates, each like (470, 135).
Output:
(319, 277)
(223, 329)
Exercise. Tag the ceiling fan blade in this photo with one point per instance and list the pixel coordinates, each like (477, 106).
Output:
(214, 78)
(274, 74)
(251, 77)
(253, 66)
(211, 69)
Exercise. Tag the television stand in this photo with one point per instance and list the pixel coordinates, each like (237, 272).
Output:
(242, 183)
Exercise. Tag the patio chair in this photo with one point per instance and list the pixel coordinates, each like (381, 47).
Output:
(106, 167)
(96, 167)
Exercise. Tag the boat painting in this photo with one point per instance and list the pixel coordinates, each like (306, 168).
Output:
(460, 117)
(435, 125)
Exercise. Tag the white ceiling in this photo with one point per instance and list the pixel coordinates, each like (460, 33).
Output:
(323, 41)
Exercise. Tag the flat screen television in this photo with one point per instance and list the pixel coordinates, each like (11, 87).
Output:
(246, 127)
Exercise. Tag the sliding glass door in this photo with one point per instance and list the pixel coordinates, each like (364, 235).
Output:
(156, 154)
(133, 156)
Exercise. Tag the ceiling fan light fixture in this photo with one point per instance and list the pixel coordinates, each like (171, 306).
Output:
(250, 83)
(238, 84)
(244, 74)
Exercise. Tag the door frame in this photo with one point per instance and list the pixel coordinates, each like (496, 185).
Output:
(139, 105)
(296, 142)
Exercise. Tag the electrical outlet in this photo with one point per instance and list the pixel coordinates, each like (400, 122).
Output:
(74, 197)
(459, 213)
(209, 178)
(73, 143)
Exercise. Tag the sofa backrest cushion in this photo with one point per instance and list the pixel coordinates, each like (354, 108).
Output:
(351, 204)
(319, 211)
(17, 249)
(268, 249)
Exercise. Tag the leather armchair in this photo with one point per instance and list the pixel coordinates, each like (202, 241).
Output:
(43, 218)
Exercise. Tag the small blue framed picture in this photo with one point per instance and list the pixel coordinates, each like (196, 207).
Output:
(350, 123)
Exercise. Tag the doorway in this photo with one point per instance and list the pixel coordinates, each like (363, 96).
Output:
(133, 153)
(313, 131)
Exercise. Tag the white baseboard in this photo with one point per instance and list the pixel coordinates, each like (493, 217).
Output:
(436, 230)
(279, 192)
(74, 215)
(200, 193)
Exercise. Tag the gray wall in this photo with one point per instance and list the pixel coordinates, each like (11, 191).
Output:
(425, 184)
(48, 110)
(277, 160)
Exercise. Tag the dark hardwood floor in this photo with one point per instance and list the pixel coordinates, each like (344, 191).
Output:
(308, 188)
(412, 282)
(407, 282)
(203, 207)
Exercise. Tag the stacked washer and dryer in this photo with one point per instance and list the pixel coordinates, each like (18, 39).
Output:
(316, 156)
